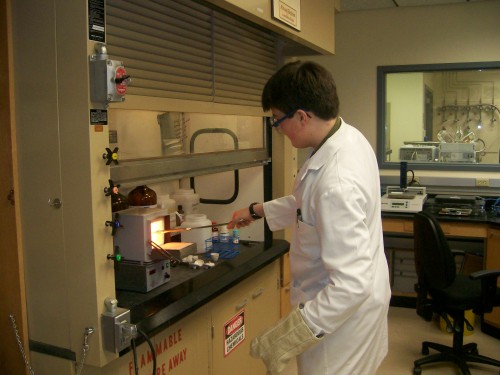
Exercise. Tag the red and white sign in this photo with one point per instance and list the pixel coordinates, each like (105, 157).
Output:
(121, 88)
(234, 332)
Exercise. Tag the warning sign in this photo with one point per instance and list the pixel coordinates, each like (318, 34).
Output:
(120, 82)
(234, 332)
(97, 24)
(98, 116)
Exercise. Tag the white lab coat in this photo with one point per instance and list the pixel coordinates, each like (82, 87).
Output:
(338, 265)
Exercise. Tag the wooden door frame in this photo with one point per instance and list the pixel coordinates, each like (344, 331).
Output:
(12, 288)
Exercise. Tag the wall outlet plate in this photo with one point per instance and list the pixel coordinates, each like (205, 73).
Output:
(482, 182)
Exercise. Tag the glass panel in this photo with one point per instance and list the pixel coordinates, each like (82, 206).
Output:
(442, 116)
(141, 134)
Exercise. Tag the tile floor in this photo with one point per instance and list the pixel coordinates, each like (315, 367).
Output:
(406, 333)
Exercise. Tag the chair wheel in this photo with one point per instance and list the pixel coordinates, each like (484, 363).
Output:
(417, 370)
(425, 350)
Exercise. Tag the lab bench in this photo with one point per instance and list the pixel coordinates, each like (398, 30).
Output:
(202, 320)
(190, 288)
(479, 235)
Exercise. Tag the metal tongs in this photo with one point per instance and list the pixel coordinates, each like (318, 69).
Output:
(165, 253)
(182, 229)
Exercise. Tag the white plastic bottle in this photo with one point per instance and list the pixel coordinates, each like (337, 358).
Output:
(197, 236)
(164, 201)
(188, 199)
(224, 234)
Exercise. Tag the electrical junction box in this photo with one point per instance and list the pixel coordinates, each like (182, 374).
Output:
(117, 330)
(108, 78)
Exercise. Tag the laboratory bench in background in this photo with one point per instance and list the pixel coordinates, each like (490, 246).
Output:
(477, 235)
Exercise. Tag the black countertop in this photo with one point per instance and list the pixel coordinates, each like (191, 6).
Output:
(189, 289)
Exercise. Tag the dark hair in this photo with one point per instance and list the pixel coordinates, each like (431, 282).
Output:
(306, 85)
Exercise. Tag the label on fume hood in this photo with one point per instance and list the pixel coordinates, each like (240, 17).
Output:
(98, 117)
(97, 25)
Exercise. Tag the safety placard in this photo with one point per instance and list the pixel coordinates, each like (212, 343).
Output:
(98, 116)
(234, 332)
(287, 11)
(97, 20)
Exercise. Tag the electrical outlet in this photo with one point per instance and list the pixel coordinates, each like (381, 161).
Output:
(482, 182)
(117, 329)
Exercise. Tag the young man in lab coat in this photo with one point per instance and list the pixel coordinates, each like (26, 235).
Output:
(340, 279)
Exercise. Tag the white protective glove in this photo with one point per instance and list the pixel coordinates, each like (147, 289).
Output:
(289, 338)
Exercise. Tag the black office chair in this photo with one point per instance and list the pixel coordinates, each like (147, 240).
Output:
(441, 290)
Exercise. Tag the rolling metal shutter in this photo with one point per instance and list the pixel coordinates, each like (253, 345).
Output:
(184, 50)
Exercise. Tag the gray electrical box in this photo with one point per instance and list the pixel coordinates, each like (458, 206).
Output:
(117, 330)
(108, 78)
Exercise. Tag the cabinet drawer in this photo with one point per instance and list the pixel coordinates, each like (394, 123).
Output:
(404, 284)
(449, 228)
(464, 230)
(397, 225)
(404, 264)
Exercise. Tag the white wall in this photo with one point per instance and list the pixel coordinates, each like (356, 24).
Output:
(465, 32)
(405, 111)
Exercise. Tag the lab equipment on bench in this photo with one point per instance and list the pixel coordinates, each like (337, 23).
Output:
(456, 205)
(404, 198)
(410, 200)
(203, 231)
(141, 270)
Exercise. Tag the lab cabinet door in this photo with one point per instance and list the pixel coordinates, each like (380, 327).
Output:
(285, 285)
(238, 316)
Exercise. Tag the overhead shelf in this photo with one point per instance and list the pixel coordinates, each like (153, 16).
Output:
(149, 171)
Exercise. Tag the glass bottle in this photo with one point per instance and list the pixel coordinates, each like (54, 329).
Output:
(444, 137)
(215, 232)
(236, 236)
(142, 196)
(118, 202)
